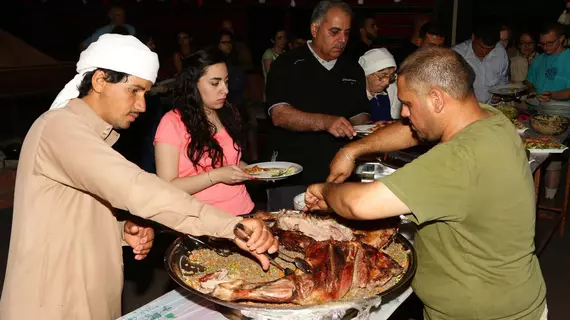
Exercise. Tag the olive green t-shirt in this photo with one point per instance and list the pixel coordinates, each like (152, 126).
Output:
(473, 199)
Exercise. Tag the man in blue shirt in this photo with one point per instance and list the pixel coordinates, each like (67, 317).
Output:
(488, 58)
(549, 73)
(117, 16)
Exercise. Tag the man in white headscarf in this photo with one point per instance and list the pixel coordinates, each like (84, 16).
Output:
(65, 258)
(380, 70)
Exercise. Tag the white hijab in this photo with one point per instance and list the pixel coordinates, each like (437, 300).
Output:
(114, 52)
(375, 60)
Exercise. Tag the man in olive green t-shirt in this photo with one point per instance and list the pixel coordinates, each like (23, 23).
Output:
(472, 195)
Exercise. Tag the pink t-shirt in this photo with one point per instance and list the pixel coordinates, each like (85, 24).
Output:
(230, 198)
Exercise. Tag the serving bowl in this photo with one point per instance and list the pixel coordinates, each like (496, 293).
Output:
(550, 125)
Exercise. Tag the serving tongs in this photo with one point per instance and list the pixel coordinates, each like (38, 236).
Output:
(243, 233)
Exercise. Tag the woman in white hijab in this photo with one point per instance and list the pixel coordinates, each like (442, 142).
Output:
(380, 70)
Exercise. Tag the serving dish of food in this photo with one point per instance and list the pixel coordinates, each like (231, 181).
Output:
(351, 261)
(509, 111)
(276, 170)
(550, 125)
(543, 145)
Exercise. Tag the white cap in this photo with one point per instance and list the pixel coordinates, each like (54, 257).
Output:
(114, 52)
(375, 60)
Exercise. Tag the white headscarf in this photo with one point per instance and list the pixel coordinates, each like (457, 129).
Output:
(114, 52)
(375, 60)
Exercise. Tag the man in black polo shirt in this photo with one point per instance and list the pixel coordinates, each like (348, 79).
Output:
(315, 96)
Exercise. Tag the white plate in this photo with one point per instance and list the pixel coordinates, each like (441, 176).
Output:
(364, 128)
(278, 165)
(547, 150)
(510, 89)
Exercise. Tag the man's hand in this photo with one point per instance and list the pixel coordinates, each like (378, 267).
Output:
(341, 166)
(339, 127)
(314, 200)
(139, 238)
(545, 96)
(260, 241)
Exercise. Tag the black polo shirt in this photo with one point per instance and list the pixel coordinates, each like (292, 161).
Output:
(299, 79)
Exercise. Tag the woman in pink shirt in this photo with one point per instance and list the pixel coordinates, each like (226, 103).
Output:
(198, 144)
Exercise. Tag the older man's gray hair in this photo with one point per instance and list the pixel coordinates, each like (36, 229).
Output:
(323, 7)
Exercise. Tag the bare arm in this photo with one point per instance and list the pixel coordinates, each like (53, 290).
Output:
(395, 136)
(287, 117)
(560, 95)
(356, 201)
(529, 85)
(166, 157)
(267, 64)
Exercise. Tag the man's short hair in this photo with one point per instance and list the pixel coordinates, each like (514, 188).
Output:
(433, 67)
(489, 33)
(362, 20)
(110, 76)
(557, 28)
(433, 28)
(324, 6)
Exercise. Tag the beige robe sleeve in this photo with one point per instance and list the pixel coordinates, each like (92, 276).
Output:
(519, 69)
(72, 154)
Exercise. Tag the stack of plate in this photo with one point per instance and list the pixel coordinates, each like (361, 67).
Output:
(554, 108)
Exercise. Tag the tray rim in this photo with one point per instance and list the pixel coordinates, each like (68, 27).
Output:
(389, 293)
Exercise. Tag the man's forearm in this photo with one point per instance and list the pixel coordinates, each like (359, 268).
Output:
(529, 85)
(561, 95)
(393, 137)
(287, 117)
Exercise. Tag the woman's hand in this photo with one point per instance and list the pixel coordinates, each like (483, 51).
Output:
(260, 241)
(229, 175)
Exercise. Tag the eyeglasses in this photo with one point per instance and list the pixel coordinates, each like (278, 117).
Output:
(389, 78)
(548, 43)
(225, 42)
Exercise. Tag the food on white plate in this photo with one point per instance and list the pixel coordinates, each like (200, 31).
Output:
(542, 143)
(273, 172)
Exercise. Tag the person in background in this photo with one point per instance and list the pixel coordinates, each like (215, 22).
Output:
(526, 53)
(118, 18)
(185, 49)
(472, 195)
(564, 19)
(506, 40)
(315, 96)
(367, 35)
(241, 49)
(295, 42)
(198, 145)
(120, 30)
(549, 77)
(279, 41)
(432, 33)
(413, 43)
(380, 71)
(488, 58)
(65, 259)
(237, 77)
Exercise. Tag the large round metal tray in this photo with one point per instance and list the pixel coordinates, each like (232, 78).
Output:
(177, 251)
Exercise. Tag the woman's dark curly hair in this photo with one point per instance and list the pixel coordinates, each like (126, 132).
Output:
(188, 103)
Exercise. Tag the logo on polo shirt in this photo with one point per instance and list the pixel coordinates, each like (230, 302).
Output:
(347, 80)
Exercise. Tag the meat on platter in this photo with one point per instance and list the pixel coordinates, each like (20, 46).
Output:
(341, 258)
